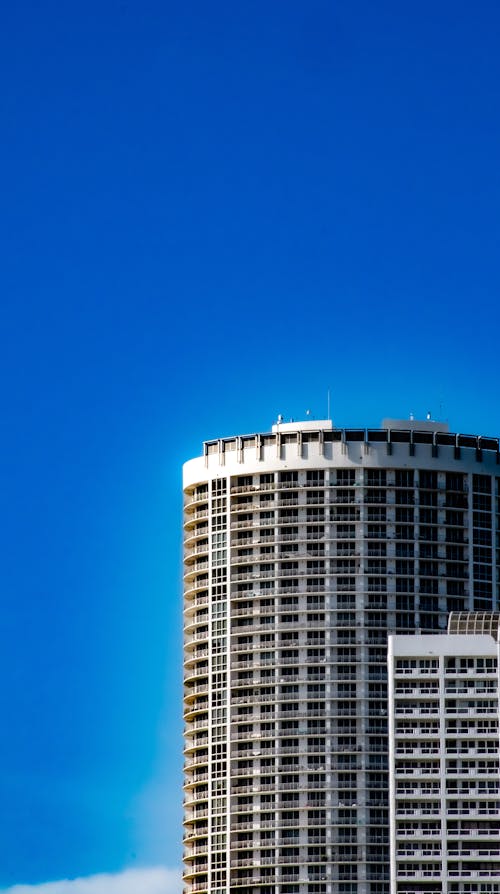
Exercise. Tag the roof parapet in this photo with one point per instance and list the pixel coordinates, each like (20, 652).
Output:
(415, 425)
(309, 425)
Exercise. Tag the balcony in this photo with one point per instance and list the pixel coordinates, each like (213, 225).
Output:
(199, 550)
(198, 515)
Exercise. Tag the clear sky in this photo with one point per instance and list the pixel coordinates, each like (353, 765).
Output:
(211, 214)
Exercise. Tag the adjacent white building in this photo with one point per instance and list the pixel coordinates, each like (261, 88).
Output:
(304, 547)
(444, 759)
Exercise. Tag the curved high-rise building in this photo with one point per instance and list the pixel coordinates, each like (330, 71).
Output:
(304, 547)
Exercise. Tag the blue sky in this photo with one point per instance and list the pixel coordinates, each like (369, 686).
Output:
(211, 214)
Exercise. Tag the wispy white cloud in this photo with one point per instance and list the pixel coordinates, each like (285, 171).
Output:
(155, 880)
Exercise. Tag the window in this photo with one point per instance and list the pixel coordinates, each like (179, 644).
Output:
(315, 477)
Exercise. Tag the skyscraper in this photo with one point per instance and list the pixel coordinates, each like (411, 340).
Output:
(304, 548)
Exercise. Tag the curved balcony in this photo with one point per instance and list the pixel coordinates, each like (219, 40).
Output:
(198, 567)
(248, 524)
(197, 799)
(191, 605)
(195, 517)
(194, 552)
(192, 674)
(197, 759)
(195, 872)
(192, 711)
(193, 535)
(193, 622)
(195, 586)
(195, 850)
(194, 691)
(198, 636)
(194, 744)
(199, 830)
(194, 778)
(201, 723)
(193, 495)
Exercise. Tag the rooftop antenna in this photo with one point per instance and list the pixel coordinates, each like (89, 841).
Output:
(429, 416)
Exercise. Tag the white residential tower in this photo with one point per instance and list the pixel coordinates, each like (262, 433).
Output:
(444, 759)
(305, 547)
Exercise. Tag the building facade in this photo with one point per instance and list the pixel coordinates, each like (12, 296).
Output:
(304, 547)
(444, 771)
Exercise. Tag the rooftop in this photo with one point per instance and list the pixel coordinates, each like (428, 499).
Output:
(309, 425)
(327, 425)
(475, 622)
